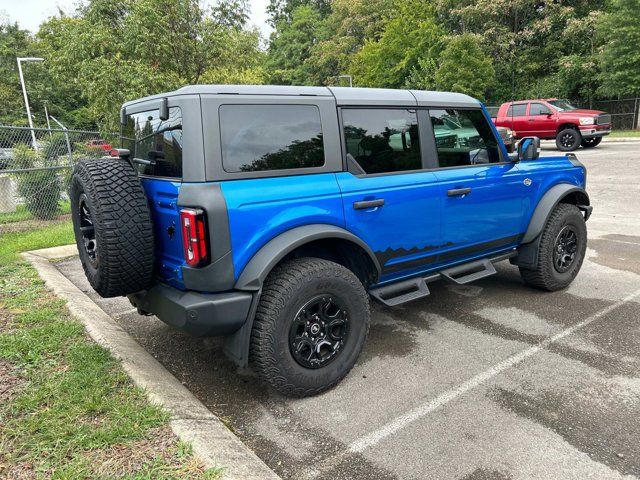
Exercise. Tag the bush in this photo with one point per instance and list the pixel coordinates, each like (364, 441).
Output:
(41, 189)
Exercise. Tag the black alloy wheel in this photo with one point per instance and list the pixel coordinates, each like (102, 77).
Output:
(87, 230)
(565, 248)
(568, 139)
(318, 331)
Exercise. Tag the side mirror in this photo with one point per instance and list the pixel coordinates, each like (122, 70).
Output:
(529, 148)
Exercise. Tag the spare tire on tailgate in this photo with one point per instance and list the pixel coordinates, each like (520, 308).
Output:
(112, 226)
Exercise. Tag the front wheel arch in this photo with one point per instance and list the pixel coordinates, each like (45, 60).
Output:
(561, 193)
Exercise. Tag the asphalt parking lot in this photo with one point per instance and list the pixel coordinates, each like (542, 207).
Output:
(488, 381)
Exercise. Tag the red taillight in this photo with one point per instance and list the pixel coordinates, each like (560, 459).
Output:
(194, 236)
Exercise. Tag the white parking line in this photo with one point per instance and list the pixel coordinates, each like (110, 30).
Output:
(402, 421)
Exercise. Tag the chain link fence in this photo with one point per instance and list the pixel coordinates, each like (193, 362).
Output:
(35, 167)
(625, 112)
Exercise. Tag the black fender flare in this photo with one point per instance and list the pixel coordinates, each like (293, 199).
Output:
(548, 202)
(254, 273)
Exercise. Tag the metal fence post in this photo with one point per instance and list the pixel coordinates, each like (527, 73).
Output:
(66, 137)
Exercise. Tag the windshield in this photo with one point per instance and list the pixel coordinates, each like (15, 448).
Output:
(562, 105)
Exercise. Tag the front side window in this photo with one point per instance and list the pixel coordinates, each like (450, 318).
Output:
(517, 110)
(382, 140)
(538, 109)
(463, 137)
(158, 141)
(270, 137)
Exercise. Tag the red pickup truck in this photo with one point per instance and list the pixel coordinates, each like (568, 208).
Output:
(555, 119)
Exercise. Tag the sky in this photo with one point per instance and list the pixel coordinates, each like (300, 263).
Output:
(30, 13)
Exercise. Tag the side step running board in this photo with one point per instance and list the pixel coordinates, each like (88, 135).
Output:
(414, 288)
(469, 272)
(401, 292)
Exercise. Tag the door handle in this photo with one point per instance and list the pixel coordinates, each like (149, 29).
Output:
(365, 204)
(458, 192)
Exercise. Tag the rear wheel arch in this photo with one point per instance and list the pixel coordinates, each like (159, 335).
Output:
(318, 240)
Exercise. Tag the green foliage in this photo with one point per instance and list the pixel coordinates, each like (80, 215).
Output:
(291, 46)
(411, 34)
(75, 413)
(619, 31)
(464, 67)
(41, 189)
(342, 34)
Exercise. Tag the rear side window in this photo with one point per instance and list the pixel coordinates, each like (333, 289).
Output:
(382, 140)
(270, 137)
(463, 137)
(518, 110)
(158, 141)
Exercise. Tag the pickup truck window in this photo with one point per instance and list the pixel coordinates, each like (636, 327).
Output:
(463, 137)
(382, 140)
(270, 137)
(517, 110)
(538, 109)
(158, 141)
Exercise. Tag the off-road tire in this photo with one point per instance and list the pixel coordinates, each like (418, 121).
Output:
(123, 259)
(565, 133)
(545, 276)
(287, 288)
(591, 142)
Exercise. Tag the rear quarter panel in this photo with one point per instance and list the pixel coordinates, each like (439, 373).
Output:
(261, 209)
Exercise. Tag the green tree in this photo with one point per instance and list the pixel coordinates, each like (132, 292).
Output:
(534, 44)
(464, 67)
(14, 42)
(620, 31)
(291, 45)
(412, 33)
(342, 34)
(116, 50)
(282, 10)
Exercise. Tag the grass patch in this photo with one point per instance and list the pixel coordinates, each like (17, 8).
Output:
(70, 410)
(625, 133)
(22, 213)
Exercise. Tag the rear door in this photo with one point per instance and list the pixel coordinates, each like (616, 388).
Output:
(517, 119)
(389, 200)
(481, 191)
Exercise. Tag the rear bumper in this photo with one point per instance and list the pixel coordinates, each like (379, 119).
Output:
(199, 314)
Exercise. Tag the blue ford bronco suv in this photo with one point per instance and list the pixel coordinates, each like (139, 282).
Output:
(270, 214)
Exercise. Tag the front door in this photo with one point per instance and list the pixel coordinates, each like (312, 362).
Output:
(541, 121)
(389, 200)
(482, 192)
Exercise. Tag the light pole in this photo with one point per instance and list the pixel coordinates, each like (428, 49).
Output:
(24, 93)
(349, 77)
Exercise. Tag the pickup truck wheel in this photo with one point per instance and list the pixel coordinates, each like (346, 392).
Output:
(561, 251)
(112, 226)
(591, 142)
(310, 326)
(568, 139)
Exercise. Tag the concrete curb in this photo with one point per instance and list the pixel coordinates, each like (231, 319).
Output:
(191, 421)
(621, 140)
